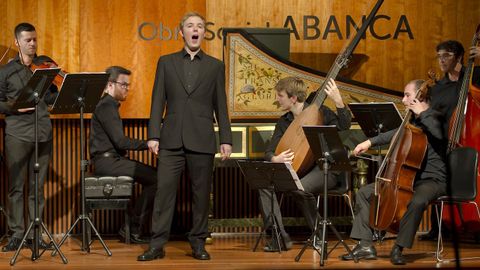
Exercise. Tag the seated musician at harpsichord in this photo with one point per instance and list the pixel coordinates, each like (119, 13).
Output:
(109, 146)
(291, 93)
(429, 182)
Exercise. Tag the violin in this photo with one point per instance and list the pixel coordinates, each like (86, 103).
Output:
(45, 62)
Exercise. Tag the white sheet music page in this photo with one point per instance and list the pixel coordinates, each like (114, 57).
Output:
(294, 176)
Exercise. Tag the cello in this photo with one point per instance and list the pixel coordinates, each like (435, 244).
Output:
(395, 177)
(464, 130)
(294, 138)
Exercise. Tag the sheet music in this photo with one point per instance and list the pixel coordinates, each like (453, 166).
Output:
(294, 176)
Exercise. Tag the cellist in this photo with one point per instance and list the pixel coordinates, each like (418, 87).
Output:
(429, 183)
(444, 94)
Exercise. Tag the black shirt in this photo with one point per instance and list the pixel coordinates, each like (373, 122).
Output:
(191, 68)
(106, 134)
(444, 95)
(13, 78)
(342, 121)
(433, 165)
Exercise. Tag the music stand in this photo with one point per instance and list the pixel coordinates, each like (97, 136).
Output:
(2, 210)
(29, 97)
(80, 94)
(375, 118)
(328, 149)
(273, 177)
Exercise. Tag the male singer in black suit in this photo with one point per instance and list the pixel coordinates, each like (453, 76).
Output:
(109, 145)
(20, 137)
(191, 85)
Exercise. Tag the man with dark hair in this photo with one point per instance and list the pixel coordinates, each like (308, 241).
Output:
(291, 93)
(190, 88)
(109, 145)
(20, 137)
(429, 183)
(444, 95)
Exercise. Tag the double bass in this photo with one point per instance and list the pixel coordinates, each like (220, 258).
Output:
(395, 177)
(294, 138)
(464, 130)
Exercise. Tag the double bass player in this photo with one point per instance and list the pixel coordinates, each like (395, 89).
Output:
(429, 183)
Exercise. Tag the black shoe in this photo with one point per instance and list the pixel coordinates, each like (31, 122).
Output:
(43, 245)
(200, 253)
(152, 254)
(396, 256)
(430, 236)
(134, 238)
(272, 246)
(361, 253)
(12, 244)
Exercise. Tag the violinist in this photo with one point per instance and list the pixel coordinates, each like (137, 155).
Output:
(19, 138)
(429, 183)
(444, 94)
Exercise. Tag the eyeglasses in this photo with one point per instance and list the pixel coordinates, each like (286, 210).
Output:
(123, 85)
(445, 56)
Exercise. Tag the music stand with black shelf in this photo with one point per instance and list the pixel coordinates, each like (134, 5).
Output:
(273, 177)
(330, 153)
(80, 93)
(29, 97)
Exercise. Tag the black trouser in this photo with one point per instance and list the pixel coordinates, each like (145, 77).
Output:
(425, 191)
(20, 156)
(171, 164)
(312, 183)
(141, 173)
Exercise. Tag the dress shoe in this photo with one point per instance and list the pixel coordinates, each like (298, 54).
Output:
(152, 254)
(361, 253)
(200, 253)
(134, 237)
(396, 256)
(12, 244)
(272, 246)
(430, 236)
(43, 245)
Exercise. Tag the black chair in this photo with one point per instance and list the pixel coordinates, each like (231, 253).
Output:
(463, 166)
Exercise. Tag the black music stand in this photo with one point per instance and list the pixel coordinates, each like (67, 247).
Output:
(80, 94)
(2, 210)
(375, 118)
(273, 177)
(330, 153)
(30, 96)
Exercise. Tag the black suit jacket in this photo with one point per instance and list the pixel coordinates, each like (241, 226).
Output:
(189, 116)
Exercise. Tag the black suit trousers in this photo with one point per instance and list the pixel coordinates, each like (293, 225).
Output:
(20, 156)
(171, 164)
(141, 173)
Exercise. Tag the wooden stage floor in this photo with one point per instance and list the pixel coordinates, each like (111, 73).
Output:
(230, 252)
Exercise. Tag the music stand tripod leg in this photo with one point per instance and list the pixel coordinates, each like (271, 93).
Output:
(83, 216)
(276, 235)
(2, 209)
(37, 223)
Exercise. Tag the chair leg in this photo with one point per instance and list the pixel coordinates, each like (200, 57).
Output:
(438, 253)
(349, 202)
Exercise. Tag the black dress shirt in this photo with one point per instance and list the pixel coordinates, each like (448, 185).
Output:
(191, 68)
(444, 96)
(433, 165)
(342, 121)
(13, 78)
(106, 134)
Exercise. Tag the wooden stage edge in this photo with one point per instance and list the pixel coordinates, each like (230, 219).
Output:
(230, 251)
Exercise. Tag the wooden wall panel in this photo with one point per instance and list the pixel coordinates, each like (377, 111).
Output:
(391, 62)
(90, 35)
